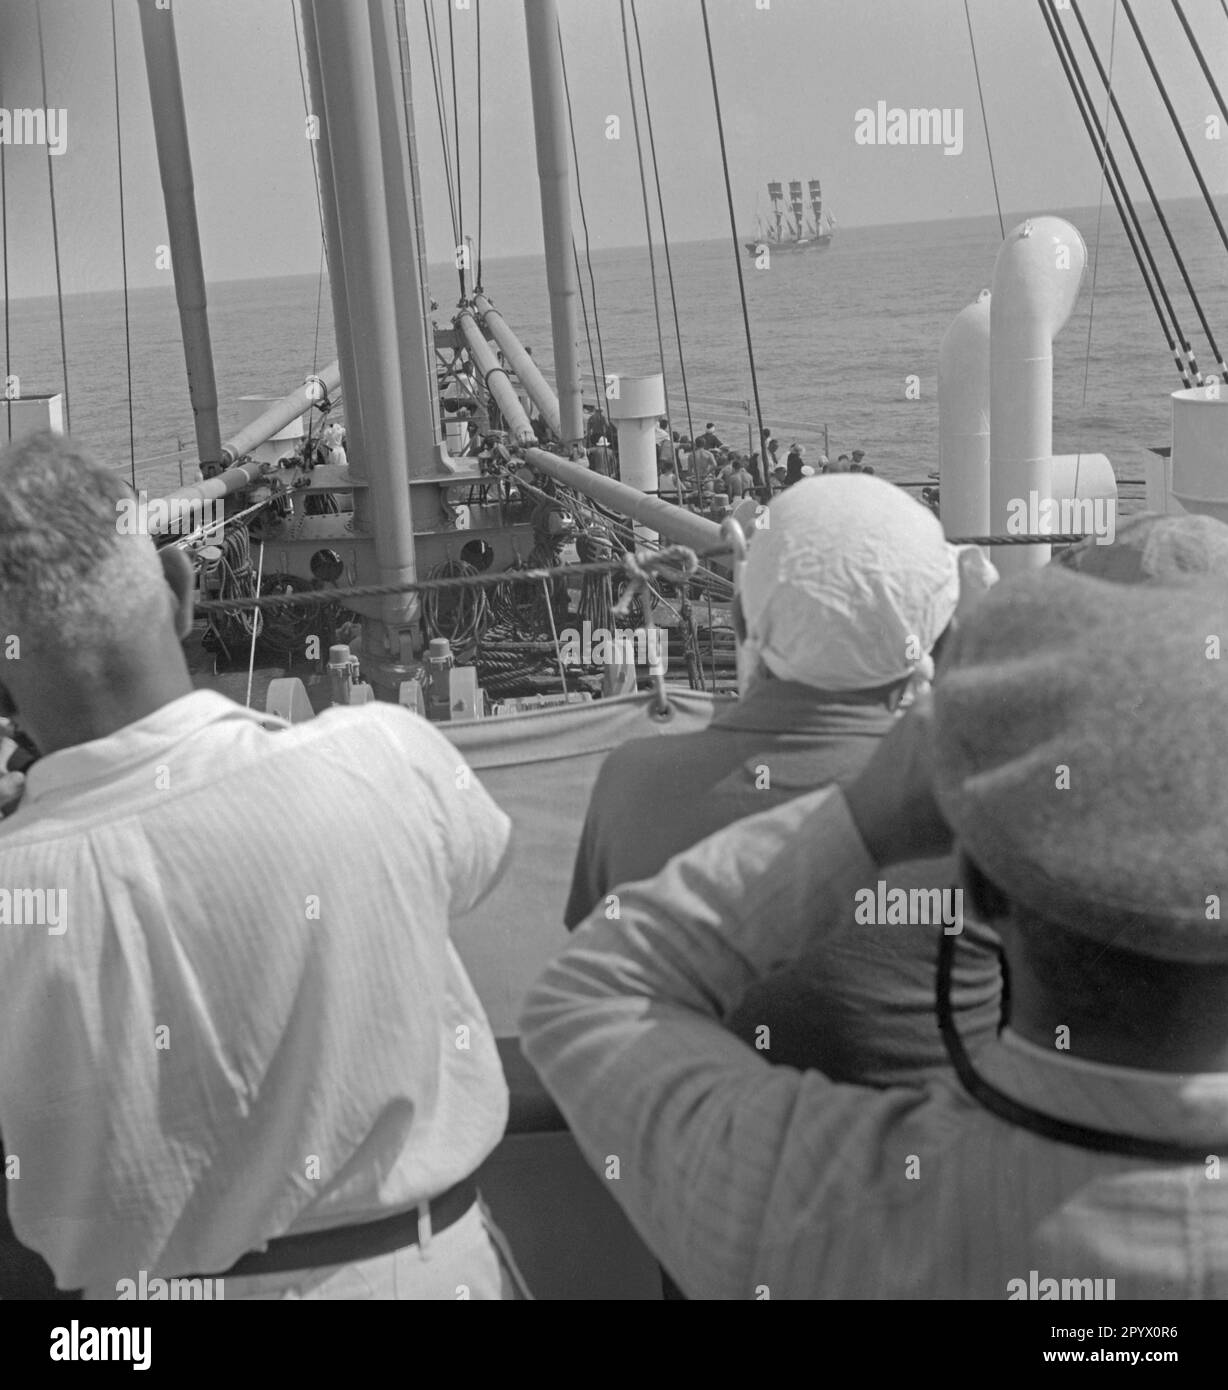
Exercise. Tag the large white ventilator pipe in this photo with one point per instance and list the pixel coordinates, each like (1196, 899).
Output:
(1200, 450)
(963, 422)
(1035, 284)
(635, 407)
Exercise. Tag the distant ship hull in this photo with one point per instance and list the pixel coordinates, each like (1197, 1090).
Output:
(816, 243)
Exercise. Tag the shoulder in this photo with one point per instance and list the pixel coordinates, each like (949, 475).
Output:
(391, 729)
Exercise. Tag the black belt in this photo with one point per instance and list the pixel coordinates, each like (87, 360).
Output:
(343, 1245)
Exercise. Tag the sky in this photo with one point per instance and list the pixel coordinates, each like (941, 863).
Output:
(793, 75)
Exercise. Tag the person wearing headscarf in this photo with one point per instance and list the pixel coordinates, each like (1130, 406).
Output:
(1074, 755)
(847, 589)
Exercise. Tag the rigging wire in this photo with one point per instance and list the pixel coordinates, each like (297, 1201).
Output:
(1091, 311)
(669, 265)
(639, 155)
(1155, 201)
(415, 193)
(599, 385)
(733, 223)
(441, 115)
(123, 246)
(1181, 135)
(55, 225)
(1202, 62)
(984, 121)
(1178, 341)
(315, 170)
(456, 135)
(575, 256)
(4, 255)
(477, 7)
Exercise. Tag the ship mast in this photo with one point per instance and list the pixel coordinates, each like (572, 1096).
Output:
(549, 124)
(386, 372)
(175, 168)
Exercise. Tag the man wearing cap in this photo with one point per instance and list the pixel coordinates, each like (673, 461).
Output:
(1076, 749)
(845, 592)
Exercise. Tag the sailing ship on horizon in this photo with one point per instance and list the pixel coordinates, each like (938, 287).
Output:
(790, 228)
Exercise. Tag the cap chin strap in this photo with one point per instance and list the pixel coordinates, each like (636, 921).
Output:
(1023, 1116)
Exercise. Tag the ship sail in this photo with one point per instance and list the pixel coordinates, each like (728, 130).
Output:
(816, 205)
(776, 194)
(795, 197)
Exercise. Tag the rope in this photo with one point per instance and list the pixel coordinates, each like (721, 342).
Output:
(1155, 202)
(639, 155)
(1202, 62)
(554, 636)
(468, 620)
(733, 227)
(984, 122)
(1181, 136)
(123, 246)
(575, 159)
(669, 265)
(675, 563)
(251, 663)
(1177, 340)
(1091, 311)
(55, 226)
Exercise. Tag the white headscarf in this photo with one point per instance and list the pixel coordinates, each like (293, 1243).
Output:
(848, 584)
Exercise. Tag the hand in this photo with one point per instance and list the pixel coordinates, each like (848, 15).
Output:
(892, 799)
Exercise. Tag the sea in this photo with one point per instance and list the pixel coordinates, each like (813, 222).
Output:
(845, 341)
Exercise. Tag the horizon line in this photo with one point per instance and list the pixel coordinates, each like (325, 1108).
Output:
(627, 246)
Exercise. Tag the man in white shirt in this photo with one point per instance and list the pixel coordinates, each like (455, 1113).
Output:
(232, 1015)
(1078, 749)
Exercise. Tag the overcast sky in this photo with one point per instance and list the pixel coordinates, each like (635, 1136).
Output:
(792, 77)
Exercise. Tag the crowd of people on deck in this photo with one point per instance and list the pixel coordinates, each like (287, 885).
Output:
(240, 1054)
(706, 474)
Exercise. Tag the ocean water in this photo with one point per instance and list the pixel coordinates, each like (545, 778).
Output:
(835, 336)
